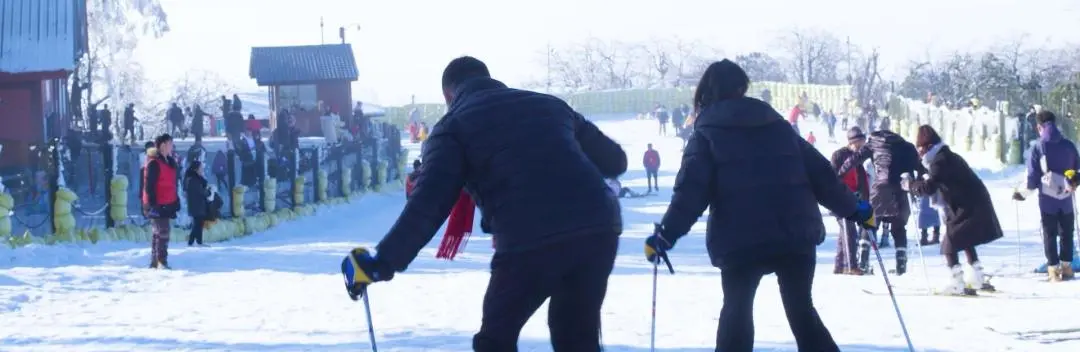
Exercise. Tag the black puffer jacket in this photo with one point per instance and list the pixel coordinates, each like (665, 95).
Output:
(198, 194)
(761, 182)
(886, 196)
(534, 166)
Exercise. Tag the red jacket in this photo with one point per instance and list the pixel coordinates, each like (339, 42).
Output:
(410, 182)
(159, 182)
(651, 159)
(795, 113)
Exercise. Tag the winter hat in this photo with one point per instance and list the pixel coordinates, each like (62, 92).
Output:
(855, 133)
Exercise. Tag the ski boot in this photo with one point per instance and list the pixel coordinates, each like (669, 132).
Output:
(976, 280)
(956, 285)
(1067, 271)
(901, 261)
(1054, 273)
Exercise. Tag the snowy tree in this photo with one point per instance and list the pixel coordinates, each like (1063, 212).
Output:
(114, 29)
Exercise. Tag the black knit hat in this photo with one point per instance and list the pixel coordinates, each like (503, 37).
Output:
(855, 133)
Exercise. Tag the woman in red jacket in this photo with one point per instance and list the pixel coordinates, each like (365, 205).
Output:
(160, 198)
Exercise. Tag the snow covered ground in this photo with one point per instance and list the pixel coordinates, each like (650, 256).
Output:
(281, 291)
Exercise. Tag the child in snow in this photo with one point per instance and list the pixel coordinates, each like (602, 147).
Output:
(810, 138)
(620, 191)
(410, 180)
(928, 219)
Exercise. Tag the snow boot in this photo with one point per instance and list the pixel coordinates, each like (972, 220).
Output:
(1054, 273)
(901, 261)
(936, 239)
(975, 279)
(923, 241)
(864, 255)
(1067, 271)
(956, 285)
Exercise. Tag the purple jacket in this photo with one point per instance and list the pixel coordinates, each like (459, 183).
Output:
(1060, 155)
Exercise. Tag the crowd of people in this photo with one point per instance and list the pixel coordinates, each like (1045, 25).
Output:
(539, 206)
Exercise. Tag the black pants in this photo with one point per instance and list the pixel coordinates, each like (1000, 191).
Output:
(663, 127)
(652, 178)
(128, 130)
(196, 231)
(953, 259)
(795, 275)
(898, 229)
(1058, 237)
(574, 274)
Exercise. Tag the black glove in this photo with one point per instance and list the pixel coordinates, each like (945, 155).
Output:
(361, 269)
(864, 215)
(1017, 196)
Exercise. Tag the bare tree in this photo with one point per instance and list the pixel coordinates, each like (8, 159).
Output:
(661, 59)
(812, 55)
(761, 67)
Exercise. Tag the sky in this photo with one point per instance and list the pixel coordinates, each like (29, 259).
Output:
(402, 46)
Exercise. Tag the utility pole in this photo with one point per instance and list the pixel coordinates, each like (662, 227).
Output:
(322, 34)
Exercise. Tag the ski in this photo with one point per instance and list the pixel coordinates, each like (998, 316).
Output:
(926, 293)
(1042, 336)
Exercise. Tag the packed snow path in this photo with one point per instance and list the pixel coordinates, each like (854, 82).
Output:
(281, 291)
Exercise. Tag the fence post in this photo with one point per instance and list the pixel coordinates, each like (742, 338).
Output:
(230, 163)
(294, 174)
(340, 154)
(315, 179)
(260, 160)
(109, 158)
(54, 172)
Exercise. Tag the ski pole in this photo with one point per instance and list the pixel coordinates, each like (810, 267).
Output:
(1019, 249)
(652, 332)
(885, 275)
(922, 259)
(370, 325)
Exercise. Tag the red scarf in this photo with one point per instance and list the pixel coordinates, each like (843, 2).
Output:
(458, 227)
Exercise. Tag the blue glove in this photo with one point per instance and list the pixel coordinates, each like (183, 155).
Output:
(864, 215)
(361, 269)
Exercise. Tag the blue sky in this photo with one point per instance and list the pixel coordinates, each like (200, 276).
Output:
(403, 45)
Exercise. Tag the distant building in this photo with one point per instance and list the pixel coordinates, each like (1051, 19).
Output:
(300, 77)
(40, 43)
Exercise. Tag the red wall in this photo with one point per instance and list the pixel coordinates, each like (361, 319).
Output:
(20, 116)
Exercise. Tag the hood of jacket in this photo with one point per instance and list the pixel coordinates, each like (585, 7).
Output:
(1050, 133)
(743, 112)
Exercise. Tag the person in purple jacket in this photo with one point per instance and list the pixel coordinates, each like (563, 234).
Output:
(1051, 157)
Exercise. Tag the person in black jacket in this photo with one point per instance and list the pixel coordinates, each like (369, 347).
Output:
(539, 183)
(129, 122)
(762, 183)
(198, 201)
(197, 118)
(892, 157)
(175, 118)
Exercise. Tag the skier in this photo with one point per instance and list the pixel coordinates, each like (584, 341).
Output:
(159, 198)
(620, 191)
(1050, 159)
(662, 116)
(970, 214)
(793, 118)
(760, 222)
(538, 206)
(678, 116)
(651, 161)
(892, 157)
(129, 122)
(847, 255)
(928, 219)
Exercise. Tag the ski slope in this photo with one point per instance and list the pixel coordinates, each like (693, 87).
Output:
(281, 291)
